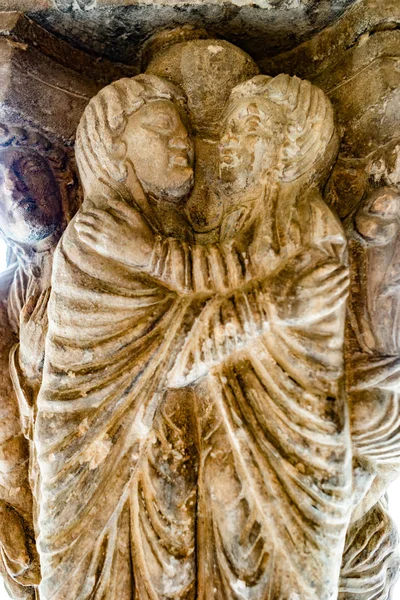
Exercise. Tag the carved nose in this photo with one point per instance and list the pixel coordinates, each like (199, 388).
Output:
(179, 143)
(229, 142)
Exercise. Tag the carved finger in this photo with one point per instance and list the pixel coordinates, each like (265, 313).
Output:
(329, 293)
(324, 275)
(327, 269)
(121, 207)
(89, 219)
(27, 310)
(103, 218)
(41, 305)
(88, 237)
(339, 299)
(86, 229)
(336, 280)
(335, 301)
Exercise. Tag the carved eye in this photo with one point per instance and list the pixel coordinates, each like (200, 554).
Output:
(386, 204)
(30, 166)
(161, 123)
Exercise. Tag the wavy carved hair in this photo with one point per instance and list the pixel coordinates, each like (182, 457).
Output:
(311, 140)
(59, 158)
(100, 152)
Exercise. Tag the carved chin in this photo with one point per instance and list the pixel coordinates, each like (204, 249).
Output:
(33, 229)
(174, 190)
(40, 231)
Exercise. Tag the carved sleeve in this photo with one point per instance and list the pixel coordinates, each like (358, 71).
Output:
(227, 324)
(185, 268)
(196, 268)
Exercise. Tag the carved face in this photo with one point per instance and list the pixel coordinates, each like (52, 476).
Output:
(377, 221)
(250, 142)
(30, 202)
(160, 150)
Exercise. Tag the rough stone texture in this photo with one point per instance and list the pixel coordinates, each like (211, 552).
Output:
(356, 62)
(117, 30)
(18, 28)
(39, 194)
(35, 89)
(183, 360)
(19, 565)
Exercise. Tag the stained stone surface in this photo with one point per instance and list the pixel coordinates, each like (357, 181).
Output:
(117, 30)
(36, 90)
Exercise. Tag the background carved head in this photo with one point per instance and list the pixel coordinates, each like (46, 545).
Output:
(136, 128)
(276, 129)
(206, 70)
(38, 189)
(377, 220)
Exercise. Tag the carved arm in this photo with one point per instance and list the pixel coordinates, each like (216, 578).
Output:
(184, 268)
(306, 290)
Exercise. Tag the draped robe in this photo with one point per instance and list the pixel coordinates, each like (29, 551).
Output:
(275, 474)
(119, 453)
(371, 560)
(114, 332)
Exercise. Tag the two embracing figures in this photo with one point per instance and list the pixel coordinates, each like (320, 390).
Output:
(191, 431)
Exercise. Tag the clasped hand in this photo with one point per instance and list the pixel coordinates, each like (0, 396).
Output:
(308, 288)
(120, 233)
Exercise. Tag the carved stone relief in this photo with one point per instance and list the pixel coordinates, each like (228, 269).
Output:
(356, 63)
(191, 421)
(214, 413)
(39, 195)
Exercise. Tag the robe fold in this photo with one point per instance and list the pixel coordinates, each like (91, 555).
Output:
(123, 515)
(374, 348)
(112, 336)
(275, 471)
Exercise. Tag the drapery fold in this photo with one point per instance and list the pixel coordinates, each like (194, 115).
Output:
(112, 335)
(124, 460)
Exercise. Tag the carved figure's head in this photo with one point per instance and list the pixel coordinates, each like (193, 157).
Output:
(136, 128)
(377, 221)
(37, 186)
(276, 129)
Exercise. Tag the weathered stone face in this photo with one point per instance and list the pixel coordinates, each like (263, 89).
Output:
(30, 208)
(250, 142)
(160, 149)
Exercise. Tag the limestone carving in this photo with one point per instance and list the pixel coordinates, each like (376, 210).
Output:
(38, 195)
(373, 357)
(192, 432)
(200, 376)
